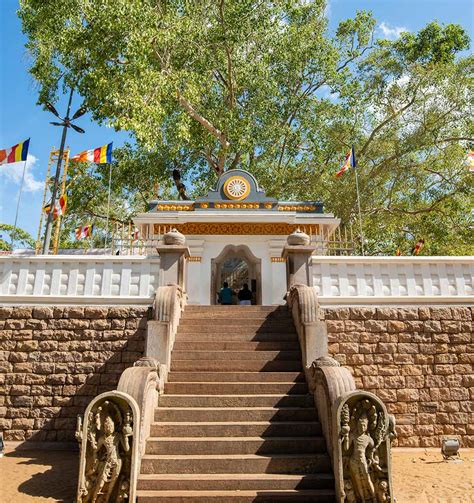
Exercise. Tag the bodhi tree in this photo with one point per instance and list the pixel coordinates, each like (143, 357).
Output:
(14, 235)
(206, 86)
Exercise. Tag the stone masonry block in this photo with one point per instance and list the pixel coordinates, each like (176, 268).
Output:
(386, 313)
(22, 312)
(440, 313)
(396, 326)
(43, 312)
(432, 326)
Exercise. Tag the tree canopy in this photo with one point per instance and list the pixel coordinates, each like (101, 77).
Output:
(206, 86)
(15, 235)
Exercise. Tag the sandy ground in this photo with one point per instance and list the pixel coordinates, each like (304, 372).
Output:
(419, 476)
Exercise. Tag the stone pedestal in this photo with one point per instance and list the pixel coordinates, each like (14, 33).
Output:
(298, 265)
(172, 264)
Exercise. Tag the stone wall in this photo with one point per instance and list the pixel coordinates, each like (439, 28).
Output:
(418, 360)
(54, 360)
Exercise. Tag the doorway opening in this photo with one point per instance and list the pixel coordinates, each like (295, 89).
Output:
(236, 265)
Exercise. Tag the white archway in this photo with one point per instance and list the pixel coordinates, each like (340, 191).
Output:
(243, 254)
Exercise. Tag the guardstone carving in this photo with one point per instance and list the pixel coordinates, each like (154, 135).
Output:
(107, 453)
(365, 432)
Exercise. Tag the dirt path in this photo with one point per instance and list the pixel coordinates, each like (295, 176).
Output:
(418, 477)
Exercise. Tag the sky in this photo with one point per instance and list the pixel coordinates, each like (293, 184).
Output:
(22, 118)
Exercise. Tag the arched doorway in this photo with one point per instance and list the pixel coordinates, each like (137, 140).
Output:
(236, 265)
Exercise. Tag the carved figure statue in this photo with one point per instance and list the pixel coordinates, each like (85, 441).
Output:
(362, 433)
(107, 460)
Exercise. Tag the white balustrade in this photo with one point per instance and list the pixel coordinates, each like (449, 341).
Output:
(393, 280)
(83, 279)
(340, 280)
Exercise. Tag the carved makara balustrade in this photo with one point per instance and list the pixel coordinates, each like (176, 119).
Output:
(355, 423)
(117, 423)
(108, 462)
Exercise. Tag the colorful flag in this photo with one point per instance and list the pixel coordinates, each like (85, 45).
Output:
(398, 252)
(17, 153)
(136, 234)
(59, 207)
(84, 231)
(470, 160)
(418, 247)
(349, 162)
(98, 155)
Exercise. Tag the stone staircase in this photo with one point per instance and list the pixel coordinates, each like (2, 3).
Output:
(236, 422)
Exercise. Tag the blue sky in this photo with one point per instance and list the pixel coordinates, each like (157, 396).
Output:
(21, 118)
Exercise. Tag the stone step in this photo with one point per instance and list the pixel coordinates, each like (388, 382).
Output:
(236, 429)
(235, 388)
(296, 495)
(226, 414)
(233, 481)
(236, 463)
(235, 445)
(237, 355)
(226, 313)
(198, 345)
(195, 308)
(228, 323)
(236, 377)
(252, 336)
(210, 328)
(209, 365)
(224, 401)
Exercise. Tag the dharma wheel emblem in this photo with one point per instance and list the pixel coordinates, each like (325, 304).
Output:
(237, 188)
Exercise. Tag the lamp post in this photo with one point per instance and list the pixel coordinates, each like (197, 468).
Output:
(66, 123)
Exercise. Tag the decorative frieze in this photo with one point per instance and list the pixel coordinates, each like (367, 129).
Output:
(238, 228)
(175, 207)
(194, 259)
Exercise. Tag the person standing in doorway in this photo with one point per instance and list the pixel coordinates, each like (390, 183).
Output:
(225, 295)
(245, 296)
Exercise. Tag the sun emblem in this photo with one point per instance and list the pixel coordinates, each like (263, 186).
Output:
(236, 188)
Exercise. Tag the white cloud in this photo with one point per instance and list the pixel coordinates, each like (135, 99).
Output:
(14, 171)
(327, 9)
(391, 32)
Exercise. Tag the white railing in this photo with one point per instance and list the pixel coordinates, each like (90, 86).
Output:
(72, 279)
(359, 280)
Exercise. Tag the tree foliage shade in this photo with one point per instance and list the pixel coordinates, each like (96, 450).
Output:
(9, 234)
(206, 86)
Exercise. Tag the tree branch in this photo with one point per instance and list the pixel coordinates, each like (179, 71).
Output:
(204, 122)
(385, 122)
(236, 160)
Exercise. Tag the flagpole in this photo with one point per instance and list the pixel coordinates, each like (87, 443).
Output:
(18, 202)
(360, 212)
(108, 206)
(49, 220)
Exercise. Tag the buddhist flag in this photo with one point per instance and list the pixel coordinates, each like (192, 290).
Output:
(470, 160)
(398, 252)
(17, 153)
(349, 162)
(418, 247)
(84, 231)
(59, 207)
(136, 234)
(99, 155)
